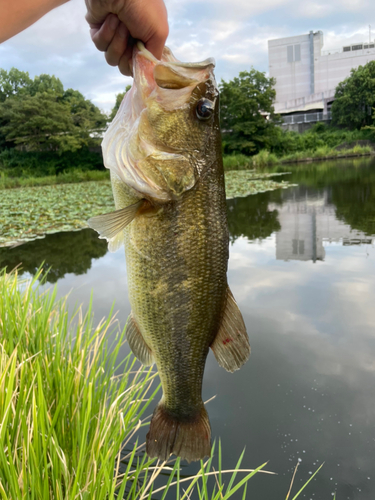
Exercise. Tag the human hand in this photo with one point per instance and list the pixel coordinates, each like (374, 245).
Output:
(115, 24)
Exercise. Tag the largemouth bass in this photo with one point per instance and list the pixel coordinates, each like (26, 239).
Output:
(164, 152)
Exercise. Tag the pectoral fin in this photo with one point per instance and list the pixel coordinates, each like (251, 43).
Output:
(137, 343)
(231, 346)
(109, 225)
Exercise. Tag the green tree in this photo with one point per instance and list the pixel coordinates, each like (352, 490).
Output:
(355, 98)
(46, 83)
(39, 122)
(38, 115)
(119, 98)
(247, 116)
(89, 121)
(13, 82)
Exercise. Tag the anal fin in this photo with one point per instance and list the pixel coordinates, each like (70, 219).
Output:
(231, 345)
(137, 343)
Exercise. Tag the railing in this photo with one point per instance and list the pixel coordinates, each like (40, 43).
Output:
(348, 48)
(307, 118)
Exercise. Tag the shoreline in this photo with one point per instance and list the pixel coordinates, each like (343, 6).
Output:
(323, 158)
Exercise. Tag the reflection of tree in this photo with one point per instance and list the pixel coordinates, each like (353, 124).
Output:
(350, 186)
(250, 217)
(69, 252)
(355, 203)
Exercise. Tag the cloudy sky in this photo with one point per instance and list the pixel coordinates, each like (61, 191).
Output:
(235, 32)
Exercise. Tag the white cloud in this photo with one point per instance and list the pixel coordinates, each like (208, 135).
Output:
(235, 32)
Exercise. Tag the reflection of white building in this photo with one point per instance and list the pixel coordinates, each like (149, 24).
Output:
(306, 225)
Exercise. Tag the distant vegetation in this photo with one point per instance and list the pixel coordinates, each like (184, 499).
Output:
(252, 136)
(247, 116)
(355, 99)
(45, 129)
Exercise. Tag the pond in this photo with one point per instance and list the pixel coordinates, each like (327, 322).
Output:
(302, 267)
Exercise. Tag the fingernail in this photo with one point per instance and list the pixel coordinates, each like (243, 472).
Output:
(113, 22)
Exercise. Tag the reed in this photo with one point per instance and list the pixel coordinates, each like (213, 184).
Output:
(70, 409)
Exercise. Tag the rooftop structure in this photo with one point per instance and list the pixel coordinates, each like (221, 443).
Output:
(306, 76)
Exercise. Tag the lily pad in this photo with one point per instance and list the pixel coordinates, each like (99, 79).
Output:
(240, 183)
(32, 212)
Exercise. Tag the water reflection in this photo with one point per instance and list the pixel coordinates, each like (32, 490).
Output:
(69, 252)
(308, 390)
(307, 222)
(252, 217)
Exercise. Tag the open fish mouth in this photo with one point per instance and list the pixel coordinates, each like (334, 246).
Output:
(142, 143)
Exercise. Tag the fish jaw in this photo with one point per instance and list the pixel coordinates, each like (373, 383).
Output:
(155, 142)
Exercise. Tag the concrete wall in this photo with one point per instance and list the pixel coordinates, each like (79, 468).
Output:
(292, 78)
(305, 76)
(294, 75)
(331, 69)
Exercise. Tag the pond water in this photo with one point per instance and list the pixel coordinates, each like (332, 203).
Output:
(302, 268)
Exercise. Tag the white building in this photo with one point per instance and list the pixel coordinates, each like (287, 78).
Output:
(306, 77)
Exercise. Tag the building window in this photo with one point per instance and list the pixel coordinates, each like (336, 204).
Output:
(290, 53)
(297, 52)
(357, 47)
(293, 53)
(298, 247)
(347, 49)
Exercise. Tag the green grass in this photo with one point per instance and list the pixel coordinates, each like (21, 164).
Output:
(237, 162)
(70, 409)
(265, 158)
(73, 176)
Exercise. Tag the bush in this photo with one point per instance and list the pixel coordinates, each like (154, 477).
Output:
(37, 164)
(237, 162)
(264, 158)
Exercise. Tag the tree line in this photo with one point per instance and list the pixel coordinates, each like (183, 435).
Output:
(41, 123)
(39, 115)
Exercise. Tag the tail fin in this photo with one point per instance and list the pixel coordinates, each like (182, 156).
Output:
(189, 439)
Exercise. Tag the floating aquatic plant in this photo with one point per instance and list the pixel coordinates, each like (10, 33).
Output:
(32, 212)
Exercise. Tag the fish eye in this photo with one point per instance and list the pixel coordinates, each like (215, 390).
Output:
(205, 109)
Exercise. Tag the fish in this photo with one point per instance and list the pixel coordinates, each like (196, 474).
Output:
(163, 150)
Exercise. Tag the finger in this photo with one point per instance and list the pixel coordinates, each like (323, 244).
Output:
(103, 36)
(125, 64)
(156, 43)
(147, 21)
(118, 45)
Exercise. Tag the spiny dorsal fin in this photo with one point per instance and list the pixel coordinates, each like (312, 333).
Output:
(109, 225)
(231, 345)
